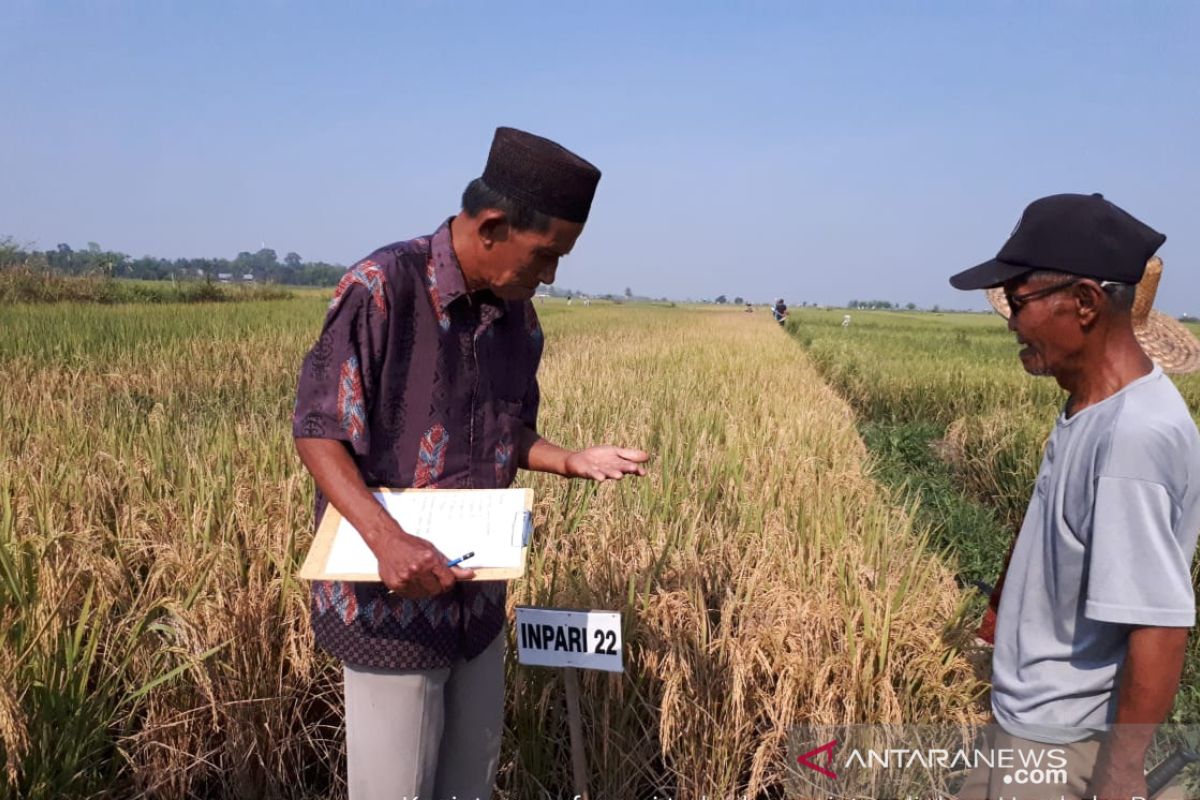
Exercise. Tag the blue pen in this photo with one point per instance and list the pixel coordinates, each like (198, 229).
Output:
(461, 559)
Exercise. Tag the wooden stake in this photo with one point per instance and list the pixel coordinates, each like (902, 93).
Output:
(575, 724)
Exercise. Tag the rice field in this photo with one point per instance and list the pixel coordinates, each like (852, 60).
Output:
(153, 514)
(951, 385)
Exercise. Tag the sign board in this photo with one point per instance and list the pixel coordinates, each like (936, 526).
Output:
(553, 637)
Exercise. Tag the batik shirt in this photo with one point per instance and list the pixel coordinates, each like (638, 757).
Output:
(429, 386)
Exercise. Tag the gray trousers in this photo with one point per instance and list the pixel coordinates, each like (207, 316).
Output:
(427, 734)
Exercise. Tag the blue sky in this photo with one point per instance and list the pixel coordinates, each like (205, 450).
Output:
(821, 152)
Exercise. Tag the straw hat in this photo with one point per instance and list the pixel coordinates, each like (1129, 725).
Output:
(1165, 339)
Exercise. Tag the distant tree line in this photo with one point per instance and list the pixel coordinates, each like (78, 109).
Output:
(264, 266)
(880, 304)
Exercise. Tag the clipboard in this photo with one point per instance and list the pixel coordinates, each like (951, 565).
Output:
(338, 542)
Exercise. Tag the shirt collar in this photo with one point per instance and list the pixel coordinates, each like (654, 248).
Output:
(445, 271)
(1063, 420)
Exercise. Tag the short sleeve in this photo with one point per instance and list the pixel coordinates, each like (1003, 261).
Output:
(530, 404)
(340, 373)
(1138, 571)
(532, 400)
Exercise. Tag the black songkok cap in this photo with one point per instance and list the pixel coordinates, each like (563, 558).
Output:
(541, 174)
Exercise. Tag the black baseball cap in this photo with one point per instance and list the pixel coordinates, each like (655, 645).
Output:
(1082, 234)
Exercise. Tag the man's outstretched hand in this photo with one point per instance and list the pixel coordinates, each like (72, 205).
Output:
(606, 462)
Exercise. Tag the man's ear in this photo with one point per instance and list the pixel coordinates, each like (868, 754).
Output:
(492, 226)
(1090, 300)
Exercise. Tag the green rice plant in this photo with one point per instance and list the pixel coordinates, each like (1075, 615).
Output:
(26, 283)
(957, 378)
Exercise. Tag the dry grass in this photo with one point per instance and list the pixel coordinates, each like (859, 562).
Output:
(765, 580)
(152, 514)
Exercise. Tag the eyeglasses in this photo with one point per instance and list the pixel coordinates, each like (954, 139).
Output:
(1018, 301)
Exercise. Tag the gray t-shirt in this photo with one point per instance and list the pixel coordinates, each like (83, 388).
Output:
(1106, 544)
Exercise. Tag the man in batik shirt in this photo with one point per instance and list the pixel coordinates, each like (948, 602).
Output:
(425, 376)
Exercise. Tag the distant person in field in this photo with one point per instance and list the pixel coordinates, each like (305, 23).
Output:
(1097, 598)
(425, 375)
(780, 312)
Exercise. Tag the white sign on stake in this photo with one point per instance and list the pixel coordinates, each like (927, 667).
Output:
(551, 637)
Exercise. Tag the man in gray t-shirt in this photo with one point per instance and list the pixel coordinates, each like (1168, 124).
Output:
(1097, 599)
(1106, 544)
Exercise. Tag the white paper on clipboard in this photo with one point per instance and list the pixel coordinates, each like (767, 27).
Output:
(494, 524)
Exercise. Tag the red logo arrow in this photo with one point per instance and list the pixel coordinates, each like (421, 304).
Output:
(827, 749)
